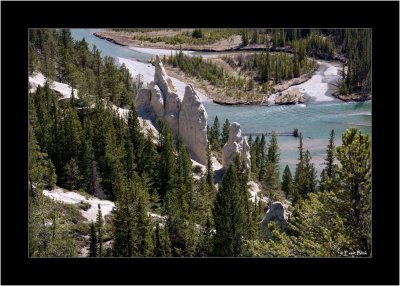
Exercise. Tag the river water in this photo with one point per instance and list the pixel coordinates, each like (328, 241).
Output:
(315, 119)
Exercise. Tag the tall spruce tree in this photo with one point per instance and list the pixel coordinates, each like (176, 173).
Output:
(225, 132)
(210, 171)
(329, 175)
(310, 184)
(215, 134)
(229, 214)
(168, 166)
(299, 176)
(72, 175)
(93, 245)
(272, 178)
(262, 159)
(287, 182)
(99, 226)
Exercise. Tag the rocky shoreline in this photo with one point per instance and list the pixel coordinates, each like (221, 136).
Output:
(109, 39)
(358, 97)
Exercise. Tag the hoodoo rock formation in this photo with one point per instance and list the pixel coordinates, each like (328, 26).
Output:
(275, 213)
(193, 124)
(186, 118)
(236, 144)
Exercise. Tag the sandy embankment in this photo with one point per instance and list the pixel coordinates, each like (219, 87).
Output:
(322, 84)
(159, 52)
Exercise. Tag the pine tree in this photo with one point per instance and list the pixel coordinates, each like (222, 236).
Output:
(310, 185)
(94, 181)
(287, 182)
(215, 135)
(329, 175)
(73, 135)
(272, 180)
(229, 214)
(225, 132)
(124, 223)
(144, 225)
(261, 159)
(168, 167)
(136, 136)
(210, 171)
(355, 175)
(99, 226)
(72, 176)
(299, 176)
(151, 159)
(93, 241)
(159, 247)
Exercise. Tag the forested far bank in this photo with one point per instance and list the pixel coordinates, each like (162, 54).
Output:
(353, 47)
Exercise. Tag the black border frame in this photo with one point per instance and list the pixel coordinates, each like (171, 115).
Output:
(383, 18)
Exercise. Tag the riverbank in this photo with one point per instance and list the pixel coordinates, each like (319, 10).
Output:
(281, 91)
(128, 39)
(358, 97)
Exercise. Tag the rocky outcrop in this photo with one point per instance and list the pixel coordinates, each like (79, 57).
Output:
(236, 145)
(193, 124)
(143, 99)
(275, 213)
(157, 102)
(293, 96)
(186, 118)
(353, 96)
(161, 79)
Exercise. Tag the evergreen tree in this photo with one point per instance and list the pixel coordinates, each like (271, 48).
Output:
(168, 167)
(144, 224)
(159, 247)
(72, 176)
(261, 159)
(225, 132)
(329, 175)
(123, 223)
(73, 134)
(272, 180)
(93, 241)
(151, 159)
(287, 182)
(210, 171)
(94, 182)
(355, 175)
(229, 214)
(299, 176)
(99, 226)
(215, 135)
(136, 136)
(310, 185)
